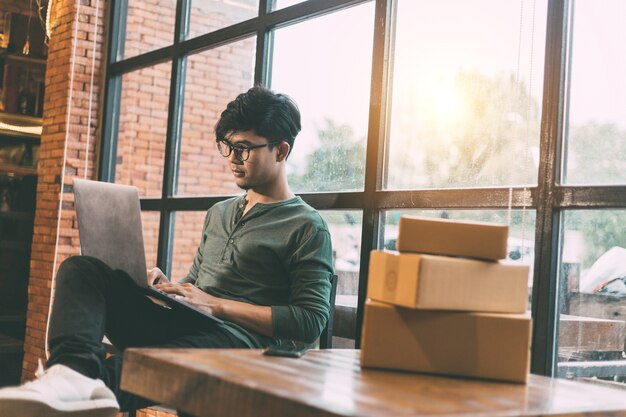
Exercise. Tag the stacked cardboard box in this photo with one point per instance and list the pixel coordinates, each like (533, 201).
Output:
(447, 304)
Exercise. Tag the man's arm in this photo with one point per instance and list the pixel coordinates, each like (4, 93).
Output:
(253, 317)
(305, 313)
(310, 271)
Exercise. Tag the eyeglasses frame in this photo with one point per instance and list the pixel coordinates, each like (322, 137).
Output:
(240, 148)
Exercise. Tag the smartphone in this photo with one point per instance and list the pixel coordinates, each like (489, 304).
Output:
(288, 350)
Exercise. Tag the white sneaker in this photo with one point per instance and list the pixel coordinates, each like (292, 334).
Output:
(59, 391)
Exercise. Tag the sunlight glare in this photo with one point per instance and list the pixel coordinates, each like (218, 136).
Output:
(448, 105)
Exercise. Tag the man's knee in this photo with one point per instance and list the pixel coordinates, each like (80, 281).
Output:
(81, 267)
(81, 261)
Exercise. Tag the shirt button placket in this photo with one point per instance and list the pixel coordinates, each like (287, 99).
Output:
(228, 250)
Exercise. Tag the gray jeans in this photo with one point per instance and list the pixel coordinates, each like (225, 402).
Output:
(93, 300)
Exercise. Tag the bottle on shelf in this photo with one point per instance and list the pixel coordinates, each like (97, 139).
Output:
(25, 103)
(26, 48)
(22, 102)
(5, 201)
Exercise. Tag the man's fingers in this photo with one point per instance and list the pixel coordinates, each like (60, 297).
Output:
(156, 276)
(167, 287)
(171, 288)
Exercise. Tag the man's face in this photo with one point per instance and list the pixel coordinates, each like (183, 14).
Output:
(261, 167)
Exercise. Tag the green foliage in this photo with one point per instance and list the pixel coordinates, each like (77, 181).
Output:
(489, 145)
(596, 154)
(338, 164)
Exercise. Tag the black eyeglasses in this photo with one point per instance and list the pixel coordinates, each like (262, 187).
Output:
(242, 152)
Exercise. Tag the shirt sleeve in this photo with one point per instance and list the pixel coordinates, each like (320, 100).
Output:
(192, 275)
(310, 272)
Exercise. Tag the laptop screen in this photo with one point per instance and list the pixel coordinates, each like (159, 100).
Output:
(109, 226)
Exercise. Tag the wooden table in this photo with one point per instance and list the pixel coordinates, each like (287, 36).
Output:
(244, 383)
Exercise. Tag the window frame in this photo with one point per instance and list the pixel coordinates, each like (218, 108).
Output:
(548, 198)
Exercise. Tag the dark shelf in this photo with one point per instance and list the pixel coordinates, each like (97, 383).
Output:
(22, 80)
(13, 245)
(12, 317)
(12, 324)
(22, 119)
(17, 170)
(13, 125)
(22, 137)
(9, 344)
(17, 215)
(21, 58)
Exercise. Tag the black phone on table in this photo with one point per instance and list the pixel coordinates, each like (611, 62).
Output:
(289, 349)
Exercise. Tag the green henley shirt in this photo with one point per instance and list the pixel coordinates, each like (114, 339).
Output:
(277, 255)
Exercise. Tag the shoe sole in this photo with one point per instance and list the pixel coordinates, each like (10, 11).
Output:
(30, 408)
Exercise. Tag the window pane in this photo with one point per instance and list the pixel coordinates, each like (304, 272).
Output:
(592, 278)
(466, 109)
(187, 234)
(149, 26)
(207, 16)
(596, 133)
(150, 223)
(331, 88)
(345, 230)
(214, 78)
(521, 242)
(142, 129)
(280, 4)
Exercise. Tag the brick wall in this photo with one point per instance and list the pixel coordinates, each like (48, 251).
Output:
(74, 138)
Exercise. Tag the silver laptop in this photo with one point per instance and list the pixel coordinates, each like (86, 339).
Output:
(109, 226)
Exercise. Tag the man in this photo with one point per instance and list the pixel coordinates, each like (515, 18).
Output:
(263, 266)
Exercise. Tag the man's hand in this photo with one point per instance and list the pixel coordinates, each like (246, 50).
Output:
(156, 276)
(253, 317)
(193, 295)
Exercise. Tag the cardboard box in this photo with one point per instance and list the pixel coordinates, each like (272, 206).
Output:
(445, 283)
(480, 345)
(452, 238)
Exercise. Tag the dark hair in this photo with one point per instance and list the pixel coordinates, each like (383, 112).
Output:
(271, 115)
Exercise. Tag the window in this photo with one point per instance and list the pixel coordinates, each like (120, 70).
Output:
(332, 92)
(142, 129)
(468, 106)
(481, 110)
(592, 276)
(150, 224)
(187, 236)
(596, 122)
(591, 232)
(345, 230)
(279, 4)
(208, 16)
(149, 26)
(213, 78)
